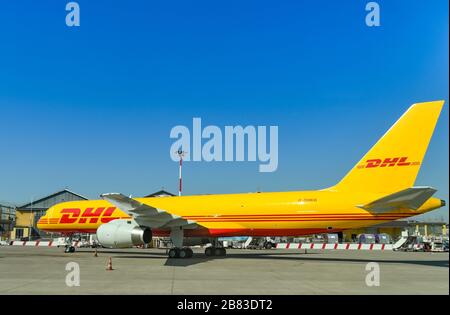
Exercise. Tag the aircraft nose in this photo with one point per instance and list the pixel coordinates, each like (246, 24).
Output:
(40, 223)
(43, 221)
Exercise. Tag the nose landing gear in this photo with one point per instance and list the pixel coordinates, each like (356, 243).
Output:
(69, 249)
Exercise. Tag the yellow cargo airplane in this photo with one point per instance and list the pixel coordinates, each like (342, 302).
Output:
(379, 188)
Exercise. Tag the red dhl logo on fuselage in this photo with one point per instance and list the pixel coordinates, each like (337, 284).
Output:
(90, 215)
(388, 162)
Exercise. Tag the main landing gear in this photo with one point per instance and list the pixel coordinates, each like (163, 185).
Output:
(180, 252)
(186, 252)
(215, 251)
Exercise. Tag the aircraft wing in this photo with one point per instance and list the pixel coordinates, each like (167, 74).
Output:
(147, 215)
(410, 198)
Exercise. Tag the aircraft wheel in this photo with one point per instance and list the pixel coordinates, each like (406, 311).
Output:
(190, 252)
(220, 251)
(174, 253)
(209, 251)
(185, 253)
(69, 249)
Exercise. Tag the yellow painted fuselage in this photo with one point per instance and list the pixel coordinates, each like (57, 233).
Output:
(253, 214)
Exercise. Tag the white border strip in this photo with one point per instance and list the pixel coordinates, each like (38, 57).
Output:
(342, 246)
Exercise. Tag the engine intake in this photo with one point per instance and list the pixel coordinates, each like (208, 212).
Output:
(123, 234)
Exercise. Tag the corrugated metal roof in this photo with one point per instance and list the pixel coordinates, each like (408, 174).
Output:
(42, 204)
(160, 193)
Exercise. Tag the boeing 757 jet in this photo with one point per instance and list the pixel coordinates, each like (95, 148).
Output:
(379, 188)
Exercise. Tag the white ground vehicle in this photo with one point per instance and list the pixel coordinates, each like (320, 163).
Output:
(262, 243)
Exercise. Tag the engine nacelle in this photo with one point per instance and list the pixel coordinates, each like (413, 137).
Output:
(123, 234)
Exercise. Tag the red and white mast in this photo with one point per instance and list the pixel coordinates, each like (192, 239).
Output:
(181, 154)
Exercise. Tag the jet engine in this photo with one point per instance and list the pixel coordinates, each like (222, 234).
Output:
(123, 234)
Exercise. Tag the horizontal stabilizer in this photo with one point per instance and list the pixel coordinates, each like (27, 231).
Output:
(410, 198)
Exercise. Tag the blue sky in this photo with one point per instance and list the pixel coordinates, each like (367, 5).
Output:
(91, 108)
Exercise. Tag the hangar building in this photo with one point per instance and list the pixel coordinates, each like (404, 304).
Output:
(29, 214)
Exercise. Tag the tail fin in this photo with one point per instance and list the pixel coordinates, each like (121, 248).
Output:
(394, 161)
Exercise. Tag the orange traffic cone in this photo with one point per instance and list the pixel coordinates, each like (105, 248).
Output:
(109, 265)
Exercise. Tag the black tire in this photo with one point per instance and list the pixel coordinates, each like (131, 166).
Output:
(184, 253)
(219, 251)
(71, 249)
(209, 251)
(190, 252)
(269, 246)
(223, 252)
(174, 253)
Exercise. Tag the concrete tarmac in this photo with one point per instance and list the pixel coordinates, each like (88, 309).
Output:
(39, 270)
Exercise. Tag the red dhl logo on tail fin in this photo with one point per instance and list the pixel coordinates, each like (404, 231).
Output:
(388, 162)
(89, 215)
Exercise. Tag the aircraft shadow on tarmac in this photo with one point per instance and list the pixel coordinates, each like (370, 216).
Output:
(199, 258)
